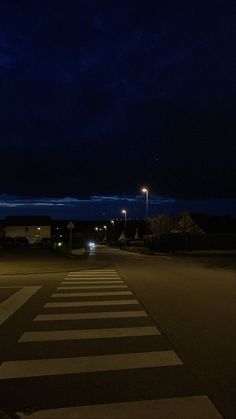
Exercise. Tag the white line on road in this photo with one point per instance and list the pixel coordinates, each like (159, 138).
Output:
(115, 332)
(93, 315)
(99, 276)
(89, 273)
(79, 282)
(165, 257)
(93, 273)
(87, 287)
(92, 303)
(90, 294)
(15, 301)
(78, 365)
(183, 407)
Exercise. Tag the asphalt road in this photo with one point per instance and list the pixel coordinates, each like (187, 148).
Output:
(192, 300)
(120, 335)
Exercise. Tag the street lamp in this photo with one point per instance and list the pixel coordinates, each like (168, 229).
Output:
(105, 235)
(146, 191)
(38, 235)
(125, 213)
(113, 228)
(96, 232)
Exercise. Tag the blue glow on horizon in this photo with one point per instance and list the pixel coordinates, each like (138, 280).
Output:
(99, 207)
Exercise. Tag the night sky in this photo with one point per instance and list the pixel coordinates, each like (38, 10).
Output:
(100, 97)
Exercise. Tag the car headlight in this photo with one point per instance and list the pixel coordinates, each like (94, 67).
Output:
(91, 244)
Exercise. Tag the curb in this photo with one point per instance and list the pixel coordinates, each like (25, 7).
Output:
(54, 272)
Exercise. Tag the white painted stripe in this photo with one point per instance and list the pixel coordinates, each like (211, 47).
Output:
(79, 282)
(191, 407)
(97, 271)
(165, 257)
(78, 365)
(94, 277)
(92, 287)
(15, 301)
(114, 332)
(92, 303)
(93, 315)
(93, 273)
(90, 294)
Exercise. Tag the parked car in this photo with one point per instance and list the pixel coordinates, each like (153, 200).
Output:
(8, 242)
(45, 242)
(21, 241)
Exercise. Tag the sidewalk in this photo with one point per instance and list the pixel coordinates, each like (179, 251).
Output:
(37, 261)
(147, 251)
(206, 252)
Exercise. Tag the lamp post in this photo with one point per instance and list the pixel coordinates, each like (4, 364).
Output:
(125, 213)
(146, 191)
(38, 235)
(105, 235)
(113, 230)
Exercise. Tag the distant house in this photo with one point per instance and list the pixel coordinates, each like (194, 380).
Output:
(193, 231)
(188, 224)
(198, 223)
(33, 228)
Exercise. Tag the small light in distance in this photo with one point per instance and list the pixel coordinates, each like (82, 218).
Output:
(91, 244)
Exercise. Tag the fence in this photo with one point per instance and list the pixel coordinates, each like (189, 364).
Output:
(179, 241)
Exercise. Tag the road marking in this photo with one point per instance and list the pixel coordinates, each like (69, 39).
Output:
(94, 277)
(115, 332)
(90, 294)
(93, 271)
(79, 282)
(165, 257)
(93, 315)
(97, 271)
(15, 301)
(92, 303)
(191, 407)
(78, 365)
(94, 274)
(87, 287)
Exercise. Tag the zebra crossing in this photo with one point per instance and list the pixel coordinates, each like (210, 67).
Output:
(94, 352)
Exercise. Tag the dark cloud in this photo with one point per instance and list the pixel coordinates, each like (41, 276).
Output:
(100, 207)
(99, 97)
